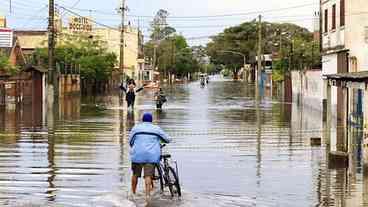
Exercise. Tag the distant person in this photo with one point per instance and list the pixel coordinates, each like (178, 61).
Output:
(130, 92)
(203, 83)
(160, 98)
(144, 140)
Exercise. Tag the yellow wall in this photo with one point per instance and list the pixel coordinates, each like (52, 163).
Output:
(2, 22)
(112, 37)
(32, 40)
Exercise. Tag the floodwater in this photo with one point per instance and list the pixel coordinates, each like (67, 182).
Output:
(229, 152)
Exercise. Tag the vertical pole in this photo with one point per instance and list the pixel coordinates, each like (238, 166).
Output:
(122, 42)
(320, 27)
(280, 44)
(174, 54)
(328, 115)
(365, 148)
(259, 60)
(154, 55)
(51, 41)
(53, 78)
(259, 53)
(245, 73)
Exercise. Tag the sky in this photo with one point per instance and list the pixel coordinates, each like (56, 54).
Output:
(195, 19)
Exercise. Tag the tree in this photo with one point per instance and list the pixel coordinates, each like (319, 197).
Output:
(173, 54)
(91, 54)
(243, 39)
(159, 26)
(6, 66)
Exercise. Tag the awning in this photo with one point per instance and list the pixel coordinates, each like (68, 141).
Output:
(361, 76)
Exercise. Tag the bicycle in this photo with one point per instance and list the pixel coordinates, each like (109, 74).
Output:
(167, 175)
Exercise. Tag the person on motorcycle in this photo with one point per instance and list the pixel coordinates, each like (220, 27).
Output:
(145, 142)
(130, 92)
(160, 98)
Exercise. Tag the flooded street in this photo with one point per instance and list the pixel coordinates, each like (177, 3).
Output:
(227, 155)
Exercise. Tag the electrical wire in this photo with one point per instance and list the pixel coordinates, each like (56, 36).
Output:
(210, 16)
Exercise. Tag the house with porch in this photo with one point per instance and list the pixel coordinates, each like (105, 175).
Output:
(345, 73)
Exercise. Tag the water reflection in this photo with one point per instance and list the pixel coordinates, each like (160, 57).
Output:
(231, 151)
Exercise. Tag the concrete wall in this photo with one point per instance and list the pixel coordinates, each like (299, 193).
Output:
(308, 88)
(32, 39)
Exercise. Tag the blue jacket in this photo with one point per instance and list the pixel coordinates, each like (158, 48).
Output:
(144, 140)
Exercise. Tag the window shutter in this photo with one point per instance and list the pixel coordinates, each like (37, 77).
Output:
(342, 12)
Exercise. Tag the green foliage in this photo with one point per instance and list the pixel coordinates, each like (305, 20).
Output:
(279, 67)
(173, 55)
(225, 72)
(288, 40)
(305, 54)
(6, 66)
(91, 54)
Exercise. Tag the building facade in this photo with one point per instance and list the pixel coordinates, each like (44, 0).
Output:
(344, 47)
(131, 49)
(345, 71)
(30, 40)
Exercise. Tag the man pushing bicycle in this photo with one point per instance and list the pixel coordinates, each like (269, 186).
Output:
(144, 140)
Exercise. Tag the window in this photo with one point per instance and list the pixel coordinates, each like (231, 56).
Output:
(326, 20)
(342, 13)
(333, 17)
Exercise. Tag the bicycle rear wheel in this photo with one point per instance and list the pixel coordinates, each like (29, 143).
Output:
(174, 185)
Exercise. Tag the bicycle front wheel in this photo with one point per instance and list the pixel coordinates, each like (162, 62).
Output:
(174, 185)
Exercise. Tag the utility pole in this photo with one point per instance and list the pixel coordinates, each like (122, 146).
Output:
(320, 27)
(154, 55)
(122, 39)
(173, 47)
(259, 52)
(10, 6)
(51, 43)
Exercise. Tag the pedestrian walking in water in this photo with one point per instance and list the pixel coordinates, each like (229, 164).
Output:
(130, 92)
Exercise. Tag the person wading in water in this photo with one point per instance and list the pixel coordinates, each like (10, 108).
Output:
(130, 92)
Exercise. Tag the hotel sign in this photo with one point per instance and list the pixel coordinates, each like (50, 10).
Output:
(80, 24)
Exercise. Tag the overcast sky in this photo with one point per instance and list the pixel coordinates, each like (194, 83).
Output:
(32, 14)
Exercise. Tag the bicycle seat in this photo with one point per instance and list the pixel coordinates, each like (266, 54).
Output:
(166, 156)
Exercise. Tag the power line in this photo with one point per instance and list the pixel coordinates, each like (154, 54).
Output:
(207, 16)
(31, 19)
(74, 13)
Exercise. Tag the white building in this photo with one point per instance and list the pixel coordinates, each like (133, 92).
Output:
(345, 62)
(344, 36)
(344, 41)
